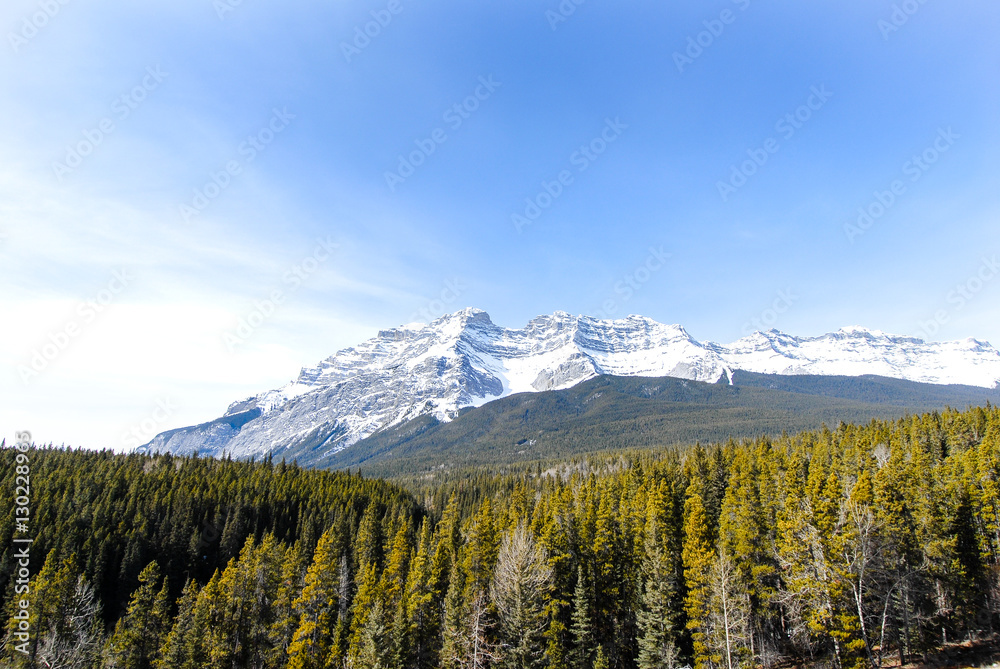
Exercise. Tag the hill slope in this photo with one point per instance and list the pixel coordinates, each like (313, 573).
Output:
(611, 413)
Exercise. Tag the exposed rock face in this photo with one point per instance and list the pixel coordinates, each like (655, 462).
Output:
(464, 359)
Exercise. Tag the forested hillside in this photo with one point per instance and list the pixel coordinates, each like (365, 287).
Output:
(843, 547)
(615, 412)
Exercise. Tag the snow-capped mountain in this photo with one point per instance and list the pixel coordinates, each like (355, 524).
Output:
(464, 359)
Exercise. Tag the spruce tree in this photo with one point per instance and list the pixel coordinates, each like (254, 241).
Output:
(176, 651)
(374, 648)
(316, 607)
(657, 640)
(581, 628)
(698, 556)
(139, 634)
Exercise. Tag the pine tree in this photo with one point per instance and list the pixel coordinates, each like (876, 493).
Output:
(745, 538)
(197, 640)
(481, 546)
(581, 629)
(139, 634)
(176, 651)
(368, 548)
(286, 617)
(368, 596)
(805, 575)
(453, 626)
(393, 580)
(241, 609)
(657, 641)
(601, 659)
(698, 557)
(317, 607)
(423, 612)
(374, 650)
(49, 588)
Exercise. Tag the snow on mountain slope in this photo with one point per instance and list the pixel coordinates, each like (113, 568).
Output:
(854, 351)
(464, 359)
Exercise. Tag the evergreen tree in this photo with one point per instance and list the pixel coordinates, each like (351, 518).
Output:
(177, 651)
(286, 617)
(50, 587)
(746, 539)
(139, 634)
(317, 607)
(374, 649)
(657, 641)
(368, 596)
(601, 659)
(581, 628)
(832, 547)
(453, 626)
(698, 556)
(423, 608)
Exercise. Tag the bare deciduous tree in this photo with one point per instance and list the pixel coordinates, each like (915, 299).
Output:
(520, 581)
(75, 643)
(729, 613)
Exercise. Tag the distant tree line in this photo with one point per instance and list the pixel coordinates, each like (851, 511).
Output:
(841, 547)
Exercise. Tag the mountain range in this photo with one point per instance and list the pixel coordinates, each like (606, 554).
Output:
(435, 371)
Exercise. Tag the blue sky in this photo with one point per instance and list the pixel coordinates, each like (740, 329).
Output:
(170, 170)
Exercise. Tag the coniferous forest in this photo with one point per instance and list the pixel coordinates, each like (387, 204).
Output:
(850, 548)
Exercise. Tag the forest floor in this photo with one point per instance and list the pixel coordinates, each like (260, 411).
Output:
(980, 653)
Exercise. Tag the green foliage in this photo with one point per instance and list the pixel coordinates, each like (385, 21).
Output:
(832, 546)
(139, 634)
(657, 625)
(581, 630)
(616, 413)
